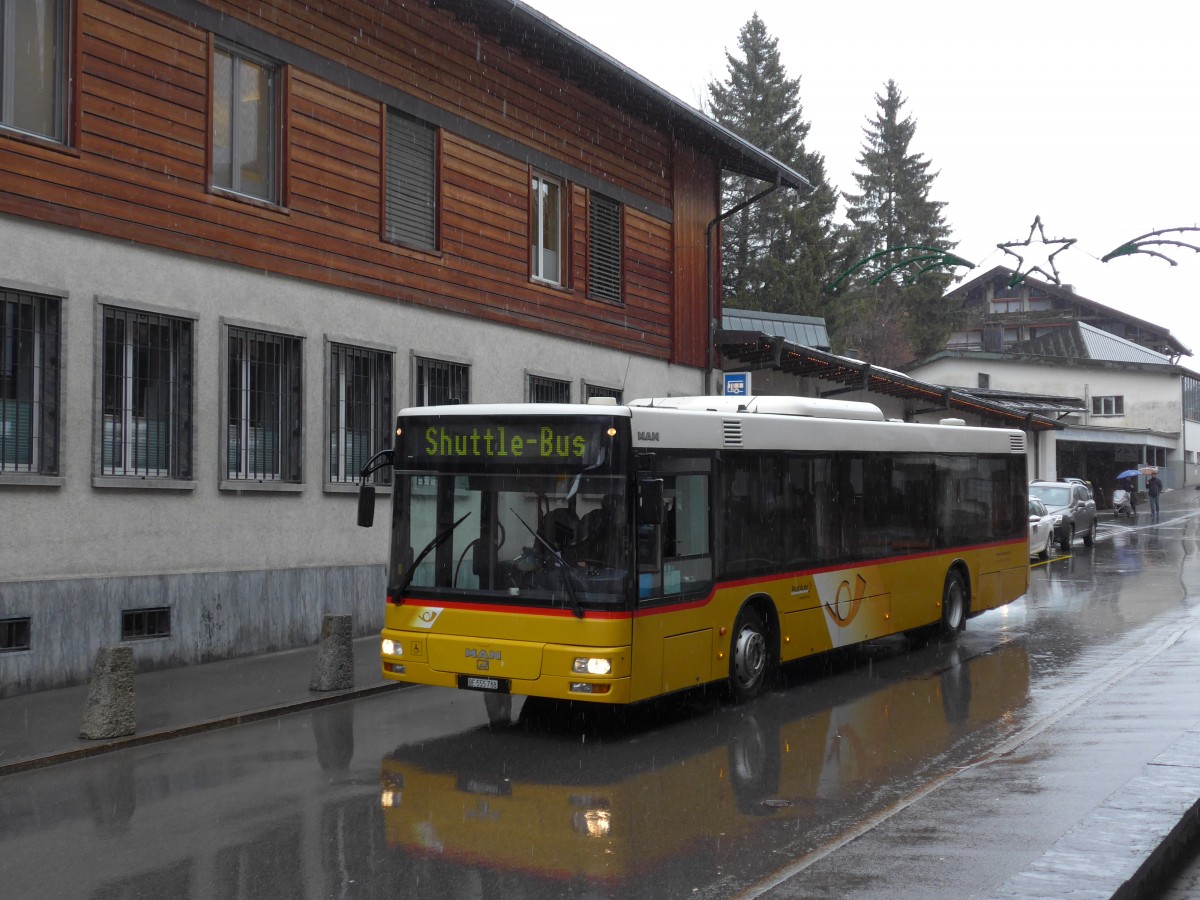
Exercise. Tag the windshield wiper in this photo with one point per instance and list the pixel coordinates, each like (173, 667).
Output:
(558, 558)
(432, 545)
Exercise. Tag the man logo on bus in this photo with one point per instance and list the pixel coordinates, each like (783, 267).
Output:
(845, 607)
(472, 653)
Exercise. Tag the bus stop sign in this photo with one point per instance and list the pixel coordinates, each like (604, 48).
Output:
(737, 384)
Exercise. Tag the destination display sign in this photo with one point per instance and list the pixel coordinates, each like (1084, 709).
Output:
(512, 440)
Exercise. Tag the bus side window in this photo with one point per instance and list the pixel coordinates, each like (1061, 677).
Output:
(674, 557)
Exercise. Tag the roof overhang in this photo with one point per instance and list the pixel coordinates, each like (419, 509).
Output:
(542, 40)
(760, 351)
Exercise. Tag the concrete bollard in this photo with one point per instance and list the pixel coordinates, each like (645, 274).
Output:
(109, 712)
(334, 668)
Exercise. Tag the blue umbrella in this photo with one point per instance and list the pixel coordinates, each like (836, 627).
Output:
(1129, 473)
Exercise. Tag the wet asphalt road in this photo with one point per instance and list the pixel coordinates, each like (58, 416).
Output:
(895, 770)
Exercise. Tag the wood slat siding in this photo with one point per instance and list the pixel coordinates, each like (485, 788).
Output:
(139, 173)
(696, 203)
(430, 55)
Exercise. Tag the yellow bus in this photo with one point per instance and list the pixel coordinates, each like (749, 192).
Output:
(617, 553)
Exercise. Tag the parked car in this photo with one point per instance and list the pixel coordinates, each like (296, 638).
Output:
(1072, 507)
(1041, 529)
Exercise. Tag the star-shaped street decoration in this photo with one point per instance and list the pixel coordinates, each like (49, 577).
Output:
(1038, 253)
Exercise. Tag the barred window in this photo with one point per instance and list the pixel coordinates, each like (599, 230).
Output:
(264, 406)
(33, 64)
(411, 179)
(30, 340)
(604, 248)
(145, 623)
(547, 390)
(14, 634)
(360, 409)
(596, 390)
(146, 395)
(438, 382)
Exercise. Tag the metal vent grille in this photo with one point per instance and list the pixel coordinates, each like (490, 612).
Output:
(1017, 443)
(733, 432)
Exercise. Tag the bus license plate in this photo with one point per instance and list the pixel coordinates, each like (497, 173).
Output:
(476, 683)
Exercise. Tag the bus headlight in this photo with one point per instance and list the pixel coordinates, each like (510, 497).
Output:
(391, 648)
(593, 822)
(592, 665)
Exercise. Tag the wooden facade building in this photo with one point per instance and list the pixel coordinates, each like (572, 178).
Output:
(237, 237)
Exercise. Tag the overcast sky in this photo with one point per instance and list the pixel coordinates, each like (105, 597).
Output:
(1082, 112)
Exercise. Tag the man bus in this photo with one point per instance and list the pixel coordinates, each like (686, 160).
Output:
(618, 553)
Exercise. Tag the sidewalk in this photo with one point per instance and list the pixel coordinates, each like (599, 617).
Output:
(42, 728)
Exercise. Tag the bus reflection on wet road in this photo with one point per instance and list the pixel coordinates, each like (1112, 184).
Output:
(611, 797)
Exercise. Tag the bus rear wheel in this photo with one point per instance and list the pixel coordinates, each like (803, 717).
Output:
(954, 607)
(747, 656)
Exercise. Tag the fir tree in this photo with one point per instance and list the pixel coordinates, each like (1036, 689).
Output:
(894, 210)
(777, 253)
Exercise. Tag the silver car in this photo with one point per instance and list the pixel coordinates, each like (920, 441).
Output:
(1041, 529)
(1071, 506)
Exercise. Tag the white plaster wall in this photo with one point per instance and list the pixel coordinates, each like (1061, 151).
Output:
(78, 530)
(1191, 443)
(1152, 399)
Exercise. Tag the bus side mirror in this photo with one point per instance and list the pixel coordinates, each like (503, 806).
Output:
(366, 490)
(650, 501)
(366, 505)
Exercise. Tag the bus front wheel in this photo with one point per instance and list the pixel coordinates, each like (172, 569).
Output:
(747, 655)
(954, 606)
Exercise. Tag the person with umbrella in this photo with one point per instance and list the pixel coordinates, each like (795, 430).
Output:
(1128, 480)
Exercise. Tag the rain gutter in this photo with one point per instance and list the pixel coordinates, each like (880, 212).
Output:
(708, 271)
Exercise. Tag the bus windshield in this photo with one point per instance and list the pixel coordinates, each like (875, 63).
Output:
(548, 525)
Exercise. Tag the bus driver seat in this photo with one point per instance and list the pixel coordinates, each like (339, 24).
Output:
(592, 543)
(559, 528)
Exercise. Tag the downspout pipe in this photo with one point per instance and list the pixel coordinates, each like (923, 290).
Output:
(708, 266)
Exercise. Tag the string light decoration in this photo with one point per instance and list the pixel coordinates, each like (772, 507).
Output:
(1033, 255)
(925, 260)
(1140, 244)
(1038, 250)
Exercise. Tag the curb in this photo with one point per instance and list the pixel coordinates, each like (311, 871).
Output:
(1161, 867)
(166, 734)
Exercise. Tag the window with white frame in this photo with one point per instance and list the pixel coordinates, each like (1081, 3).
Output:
(30, 341)
(540, 389)
(546, 229)
(1108, 406)
(360, 409)
(146, 394)
(437, 382)
(263, 406)
(245, 124)
(410, 204)
(33, 63)
(604, 248)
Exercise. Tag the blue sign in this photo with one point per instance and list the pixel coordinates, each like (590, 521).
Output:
(737, 384)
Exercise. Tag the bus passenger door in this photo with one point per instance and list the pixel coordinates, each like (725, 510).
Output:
(672, 633)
